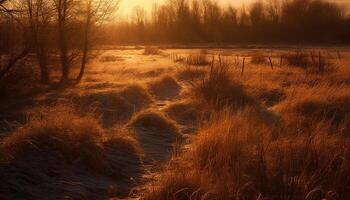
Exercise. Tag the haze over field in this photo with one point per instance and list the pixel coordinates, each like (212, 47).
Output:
(127, 6)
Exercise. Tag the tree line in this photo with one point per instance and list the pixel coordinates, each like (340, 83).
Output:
(64, 31)
(49, 29)
(265, 21)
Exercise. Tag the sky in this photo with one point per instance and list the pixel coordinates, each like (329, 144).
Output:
(127, 6)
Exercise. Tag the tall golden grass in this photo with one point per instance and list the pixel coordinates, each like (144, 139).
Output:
(234, 156)
(61, 132)
(274, 133)
(238, 153)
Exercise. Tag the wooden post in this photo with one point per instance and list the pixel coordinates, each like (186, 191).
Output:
(271, 64)
(243, 67)
(212, 65)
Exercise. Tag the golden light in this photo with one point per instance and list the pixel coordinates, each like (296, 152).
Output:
(127, 6)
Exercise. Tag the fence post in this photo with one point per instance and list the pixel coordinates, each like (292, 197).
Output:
(271, 64)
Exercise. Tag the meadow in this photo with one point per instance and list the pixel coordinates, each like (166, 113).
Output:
(167, 122)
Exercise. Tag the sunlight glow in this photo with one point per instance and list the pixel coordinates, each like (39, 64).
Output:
(127, 6)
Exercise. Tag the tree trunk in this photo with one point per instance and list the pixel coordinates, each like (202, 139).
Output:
(41, 56)
(64, 56)
(86, 42)
(39, 43)
(44, 71)
(83, 62)
(62, 8)
(13, 62)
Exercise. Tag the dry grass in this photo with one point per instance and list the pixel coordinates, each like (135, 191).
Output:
(200, 59)
(60, 132)
(297, 59)
(149, 50)
(111, 58)
(165, 87)
(316, 63)
(137, 95)
(108, 106)
(323, 102)
(268, 96)
(184, 111)
(115, 106)
(190, 73)
(194, 59)
(219, 89)
(258, 58)
(240, 159)
(156, 132)
(280, 133)
(152, 120)
(239, 154)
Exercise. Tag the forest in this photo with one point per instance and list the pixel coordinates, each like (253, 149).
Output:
(264, 22)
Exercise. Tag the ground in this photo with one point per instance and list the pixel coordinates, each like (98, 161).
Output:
(147, 110)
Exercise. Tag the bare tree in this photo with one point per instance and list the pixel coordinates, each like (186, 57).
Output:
(139, 18)
(96, 12)
(19, 49)
(38, 16)
(13, 60)
(62, 8)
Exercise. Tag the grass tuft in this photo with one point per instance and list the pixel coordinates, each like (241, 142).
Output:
(149, 50)
(258, 58)
(62, 133)
(152, 120)
(218, 88)
(164, 87)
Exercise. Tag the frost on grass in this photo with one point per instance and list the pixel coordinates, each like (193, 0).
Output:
(58, 153)
(156, 132)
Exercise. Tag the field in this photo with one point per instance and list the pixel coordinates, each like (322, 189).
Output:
(159, 123)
